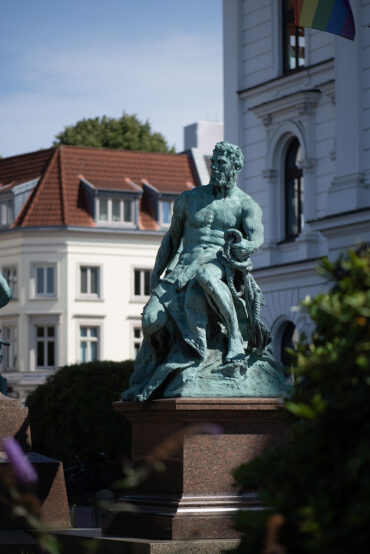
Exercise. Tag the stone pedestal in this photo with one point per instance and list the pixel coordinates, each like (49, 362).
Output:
(50, 488)
(201, 441)
(14, 421)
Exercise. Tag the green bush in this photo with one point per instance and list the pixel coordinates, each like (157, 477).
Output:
(72, 420)
(319, 483)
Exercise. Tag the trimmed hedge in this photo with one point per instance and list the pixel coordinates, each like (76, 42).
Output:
(72, 420)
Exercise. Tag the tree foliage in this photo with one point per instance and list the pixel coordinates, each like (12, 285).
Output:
(72, 420)
(319, 484)
(125, 133)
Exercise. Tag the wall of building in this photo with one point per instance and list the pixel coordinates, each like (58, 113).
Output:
(117, 310)
(326, 105)
(114, 312)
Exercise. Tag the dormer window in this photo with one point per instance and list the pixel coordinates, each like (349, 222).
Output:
(115, 210)
(103, 209)
(166, 211)
(6, 211)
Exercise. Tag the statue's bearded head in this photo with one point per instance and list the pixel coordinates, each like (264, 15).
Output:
(226, 162)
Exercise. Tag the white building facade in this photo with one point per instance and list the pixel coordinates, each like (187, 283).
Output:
(57, 319)
(297, 101)
(78, 253)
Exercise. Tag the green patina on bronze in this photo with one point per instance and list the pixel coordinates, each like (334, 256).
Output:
(203, 336)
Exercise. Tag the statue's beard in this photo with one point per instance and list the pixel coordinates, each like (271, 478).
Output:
(222, 185)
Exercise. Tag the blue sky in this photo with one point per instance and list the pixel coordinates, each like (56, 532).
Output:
(62, 61)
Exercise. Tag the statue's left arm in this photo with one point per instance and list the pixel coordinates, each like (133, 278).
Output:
(252, 230)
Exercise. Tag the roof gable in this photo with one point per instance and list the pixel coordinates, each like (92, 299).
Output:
(61, 196)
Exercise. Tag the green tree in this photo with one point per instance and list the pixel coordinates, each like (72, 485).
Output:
(125, 133)
(319, 484)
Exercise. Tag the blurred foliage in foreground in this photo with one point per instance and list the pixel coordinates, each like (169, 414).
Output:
(72, 420)
(319, 485)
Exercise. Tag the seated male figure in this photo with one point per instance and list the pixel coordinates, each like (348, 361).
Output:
(190, 253)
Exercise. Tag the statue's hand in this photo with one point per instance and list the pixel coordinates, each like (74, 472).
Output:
(239, 252)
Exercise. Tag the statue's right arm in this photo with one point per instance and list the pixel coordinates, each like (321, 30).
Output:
(171, 241)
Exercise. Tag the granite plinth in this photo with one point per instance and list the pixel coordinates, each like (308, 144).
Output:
(201, 441)
(76, 541)
(14, 421)
(50, 488)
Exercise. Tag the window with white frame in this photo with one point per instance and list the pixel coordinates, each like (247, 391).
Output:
(6, 211)
(89, 343)
(44, 280)
(10, 353)
(115, 210)
(10, 275)
(142, 282)
(166, 211)
(137, 338)
(90, 281)
(45, 346)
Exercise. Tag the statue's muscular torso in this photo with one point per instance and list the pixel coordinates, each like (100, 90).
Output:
(201, 220)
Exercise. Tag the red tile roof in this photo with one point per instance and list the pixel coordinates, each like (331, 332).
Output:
(60, 198)
(23, 168)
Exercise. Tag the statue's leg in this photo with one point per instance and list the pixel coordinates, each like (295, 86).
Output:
(155, 318)
(196, 318)
(210, 277)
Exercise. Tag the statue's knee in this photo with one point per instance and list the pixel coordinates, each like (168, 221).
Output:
(153, 319)
(161, 318)
(149, 318)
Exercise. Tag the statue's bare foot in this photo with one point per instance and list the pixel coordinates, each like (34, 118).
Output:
(235, 353)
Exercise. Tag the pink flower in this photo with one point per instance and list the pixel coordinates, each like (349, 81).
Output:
(23, 469)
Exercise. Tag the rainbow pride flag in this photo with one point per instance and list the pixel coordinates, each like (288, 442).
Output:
(333, 16)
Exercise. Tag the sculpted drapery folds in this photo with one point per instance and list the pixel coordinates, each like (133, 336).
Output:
(203, 335)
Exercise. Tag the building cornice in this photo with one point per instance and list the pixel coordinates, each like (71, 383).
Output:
(295, 267)
(291, 79)
(341, 219)
(302, 102)
(96, 230)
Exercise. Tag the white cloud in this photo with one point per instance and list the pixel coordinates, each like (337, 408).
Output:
(173, 82)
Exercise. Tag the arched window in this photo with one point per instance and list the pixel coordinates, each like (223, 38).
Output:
(293, 191)
(289, 339)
